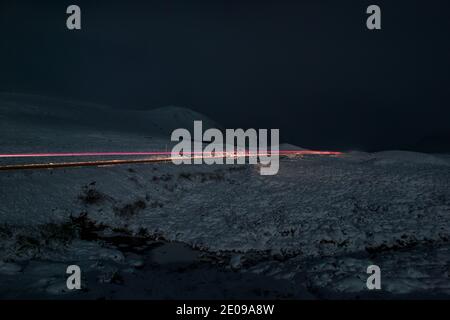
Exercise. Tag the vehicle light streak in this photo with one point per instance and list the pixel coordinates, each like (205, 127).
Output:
(155, 159)
(151, 153)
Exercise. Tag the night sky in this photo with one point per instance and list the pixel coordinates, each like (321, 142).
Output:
(310, 68)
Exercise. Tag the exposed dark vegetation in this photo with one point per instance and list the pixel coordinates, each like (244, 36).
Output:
(89, 195)
(156, 204)
(29, 241)
(131, 209)
(164, 177)
(202, 176)
(5, 231)
(85, 228)
(406, 242)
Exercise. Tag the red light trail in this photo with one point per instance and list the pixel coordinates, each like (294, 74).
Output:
(97, 163)
(152, 153)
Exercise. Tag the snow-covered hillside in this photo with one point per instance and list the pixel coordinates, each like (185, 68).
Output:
(317, 224)
(40, 124)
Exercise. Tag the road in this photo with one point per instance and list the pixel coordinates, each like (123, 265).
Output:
(100, 163)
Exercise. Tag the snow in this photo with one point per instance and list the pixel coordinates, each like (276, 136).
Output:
(407, 157)
(326, 218)
(289, 147)
(37, 124)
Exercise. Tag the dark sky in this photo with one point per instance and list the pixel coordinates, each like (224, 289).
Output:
(310, 68)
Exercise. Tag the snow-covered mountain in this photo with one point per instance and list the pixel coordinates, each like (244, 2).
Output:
(44, 111)
(36, 123)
